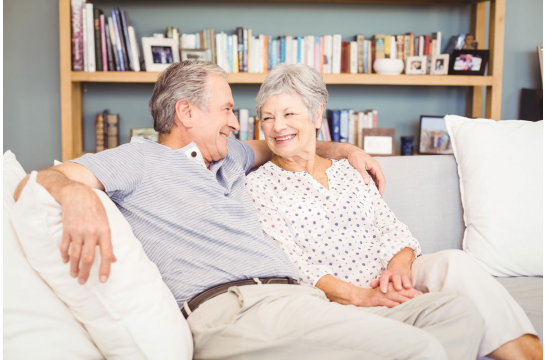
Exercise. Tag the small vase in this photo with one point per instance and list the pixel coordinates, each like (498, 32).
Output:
(388, 66)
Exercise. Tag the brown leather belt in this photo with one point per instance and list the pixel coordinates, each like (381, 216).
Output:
(198, 300)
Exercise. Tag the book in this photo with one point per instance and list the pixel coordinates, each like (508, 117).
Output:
(406, 47)
(113, 41)
(375, 119)
(212, 45)
(379, 46)
(104, 51)
(344, 126)
(350, 127)
(125, 31)
(356, 129)
(77, 34)
(112, 131)
(360, 39)
(294, 51)
(134, 49)
(251, 128)
(360, 127)
(336, 63)
(387, 46)
(427, 43)
(243, 121)
(289, 49)
(328, 52)
(110, 53)
(245, 51)
(97, 38)
(118, 44)
(120, 41)
(99, 130)
(353, 57)
(85, 44)
(393, 47)
(411, 43)
(437, 37)
(421, 45)
(90, 38)
(317, 53)
(249, 32)
(335, 125)
(236, 63)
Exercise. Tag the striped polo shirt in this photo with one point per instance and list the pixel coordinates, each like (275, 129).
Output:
(197, 225)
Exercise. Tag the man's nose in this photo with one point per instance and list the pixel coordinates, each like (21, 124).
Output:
(233, 122)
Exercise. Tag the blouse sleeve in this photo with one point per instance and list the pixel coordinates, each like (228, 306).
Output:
(274, 223)
(395, 235)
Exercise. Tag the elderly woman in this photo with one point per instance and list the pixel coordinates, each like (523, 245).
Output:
(342, 236)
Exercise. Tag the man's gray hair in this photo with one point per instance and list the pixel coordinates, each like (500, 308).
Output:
(182, 80)
(298, 79)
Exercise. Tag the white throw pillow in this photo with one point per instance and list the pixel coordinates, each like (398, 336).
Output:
(500, 165)
(37, 324)
(131, 316)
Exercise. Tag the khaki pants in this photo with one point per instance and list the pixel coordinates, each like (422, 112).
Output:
(299, 322)
(455, 272)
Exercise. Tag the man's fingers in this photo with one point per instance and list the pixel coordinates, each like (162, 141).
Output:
(107, 255)
(396, 280)
(65, 245)
(397, 297)
(374, 284)
(87, 258)
(388, 303)
(75, 254)
(407, 283)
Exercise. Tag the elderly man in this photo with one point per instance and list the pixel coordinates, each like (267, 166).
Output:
(186, 202)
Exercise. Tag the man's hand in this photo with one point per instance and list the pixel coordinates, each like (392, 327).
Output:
(85, 225)
(399, 278)
(365, 164)
(392, 298)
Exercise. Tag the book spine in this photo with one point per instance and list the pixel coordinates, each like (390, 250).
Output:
(328, 51)
(85, 44)
(125, 27)
(366, 56)
(361, 126)
(201, 41)
(406, 48)
(218, 51)
(322, 54)
(213, 46)
(99, 129)
(421, 45)
(336, 63)
(243, 121)
(90, 38)
(344, 126)
(289, 49)
(325, 129)
(354, 57)
(387, 46)
(372, 56)
(336, 126)
(399, 40)
(134, 48)
(427, 41)
(438, 43)
(98, 42)
(282, 49)
(251, 128)
(359, 40)
(118, 44)
(299, 49)
(278, 42)
(265, 53)
(109, 52)
(236, 63)
(262, 51)
(269, 53)
(77, 35)
(113, 41)
(375, 119)
(240, 48)
(112, 131)
(411, 51)
(103, 44)
(393, 47)
(379, 47)
(120, 40)
(317, 53)
(351, 127)
(249, 67)
(245, 61)
(274, 52)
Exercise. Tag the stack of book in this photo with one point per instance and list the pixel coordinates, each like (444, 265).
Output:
(243, 52)
(107, 131)
(101, 43)
(339, 126)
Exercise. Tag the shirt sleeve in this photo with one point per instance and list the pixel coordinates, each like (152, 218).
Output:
(395, 235)
(242, 153)
(120, 170)
(275, 225)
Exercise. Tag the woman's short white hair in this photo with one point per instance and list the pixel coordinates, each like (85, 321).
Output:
(296, 79)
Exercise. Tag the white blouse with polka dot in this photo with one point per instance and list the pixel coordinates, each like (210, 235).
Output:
(347, 231)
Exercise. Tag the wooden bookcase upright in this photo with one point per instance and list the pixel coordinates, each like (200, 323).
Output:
(71, 81)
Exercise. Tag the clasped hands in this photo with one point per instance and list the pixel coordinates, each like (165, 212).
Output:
(394, 287)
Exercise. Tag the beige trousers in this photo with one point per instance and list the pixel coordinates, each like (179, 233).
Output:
(455, 272)
(299, 322)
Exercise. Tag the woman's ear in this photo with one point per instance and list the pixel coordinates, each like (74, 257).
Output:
(183, 113)
(319, 116)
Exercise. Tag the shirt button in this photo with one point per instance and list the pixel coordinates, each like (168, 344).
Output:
(193, 154)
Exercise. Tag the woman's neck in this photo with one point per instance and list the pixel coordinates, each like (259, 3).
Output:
(296, 163)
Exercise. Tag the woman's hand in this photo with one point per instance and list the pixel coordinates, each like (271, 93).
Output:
(399, 278)
(392, 298)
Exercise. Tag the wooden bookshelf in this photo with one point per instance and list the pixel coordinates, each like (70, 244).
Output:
(71, 81)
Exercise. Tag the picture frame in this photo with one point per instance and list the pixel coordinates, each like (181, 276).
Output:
(434, 137)
(468, 62)
(540, 59)
(195, 54)
(159, 53)
(439, 64)
(379, 141)
(145, 133)
(416, 65)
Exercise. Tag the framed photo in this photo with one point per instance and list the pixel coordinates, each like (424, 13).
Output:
(540, 58)
(196, 54)
(145, 133)
(434, 137)
(159, 53)
(468, 62)
(416, 65)
(439, 64)
(378, 142)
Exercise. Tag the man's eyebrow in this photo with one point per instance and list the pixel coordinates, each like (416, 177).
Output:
(228, 104)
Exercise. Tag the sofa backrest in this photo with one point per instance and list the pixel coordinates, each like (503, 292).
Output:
(424, 193)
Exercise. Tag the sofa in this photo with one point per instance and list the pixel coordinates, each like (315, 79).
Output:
(423, 192)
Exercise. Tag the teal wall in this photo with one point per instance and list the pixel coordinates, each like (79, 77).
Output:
(31, 62)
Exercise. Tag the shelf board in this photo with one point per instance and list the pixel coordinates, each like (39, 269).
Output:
(330, 79)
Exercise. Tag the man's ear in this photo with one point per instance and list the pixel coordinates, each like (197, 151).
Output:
(183, 113)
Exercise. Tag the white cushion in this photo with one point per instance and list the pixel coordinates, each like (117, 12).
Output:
(500, 165)
(131, 316)
(37, 324)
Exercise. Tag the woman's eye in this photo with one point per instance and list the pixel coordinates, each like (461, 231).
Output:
(267, 119)
(289, 114)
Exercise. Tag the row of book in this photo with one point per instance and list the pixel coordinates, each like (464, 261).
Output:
(101, 43)
(339, 125)
(107, 130)
(243, 52)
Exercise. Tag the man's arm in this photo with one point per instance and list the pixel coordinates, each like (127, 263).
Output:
(85, 223)
(358, 158)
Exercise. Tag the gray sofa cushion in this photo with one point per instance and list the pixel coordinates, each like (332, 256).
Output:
(423, 192)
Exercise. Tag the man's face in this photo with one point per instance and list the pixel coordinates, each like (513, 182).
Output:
(212, 126)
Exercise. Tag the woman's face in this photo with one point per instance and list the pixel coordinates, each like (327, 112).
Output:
(287, 127)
